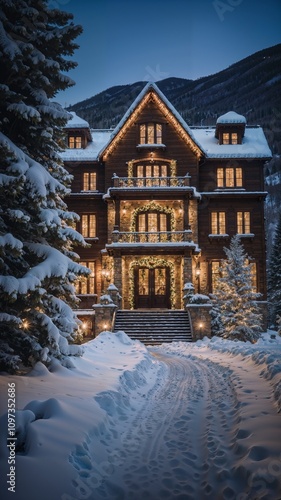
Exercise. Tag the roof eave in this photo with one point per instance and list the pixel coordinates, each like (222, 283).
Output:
(151, 91)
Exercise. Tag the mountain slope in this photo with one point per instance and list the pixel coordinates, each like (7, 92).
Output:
(251, 87)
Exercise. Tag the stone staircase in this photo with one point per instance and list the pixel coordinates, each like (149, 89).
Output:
(154, 327)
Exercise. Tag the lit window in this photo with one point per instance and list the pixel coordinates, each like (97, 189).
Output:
(141, 223)
(145, 172)
(243, 222)
(75, 142)
(151, 133)
(238, 177)
(225, 138)
(142, 134)
(230, 138)
(229, 177)
(88, 225)
(234, 138)
(163, 222)
(220, 177)
(218, 222)
(89, 181)
(158, 133)
(151, 223)
(86, 285)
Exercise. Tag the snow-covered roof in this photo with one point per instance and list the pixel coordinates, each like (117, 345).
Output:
(91, 152)
(254, 144)
(231, 117)
(76, 122)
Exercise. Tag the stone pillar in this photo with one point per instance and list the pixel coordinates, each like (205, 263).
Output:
(187, 268)
(114, 294)
(193, 218)
(198, 307)
(200, 319)
(186, 214)
(188, 292)
(104, 315)
(118, 271)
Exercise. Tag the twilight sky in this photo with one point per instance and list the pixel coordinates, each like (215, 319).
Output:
(125, 41)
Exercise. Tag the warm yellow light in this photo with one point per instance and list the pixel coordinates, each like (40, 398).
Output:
(168, 115)
(25, 324)
(200, 325)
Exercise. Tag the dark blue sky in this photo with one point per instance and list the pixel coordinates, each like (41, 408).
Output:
(125, 41)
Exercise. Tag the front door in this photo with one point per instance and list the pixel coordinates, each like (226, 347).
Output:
(152, 287)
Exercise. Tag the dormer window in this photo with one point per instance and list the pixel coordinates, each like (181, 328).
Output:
(150, 133)
(230, 138)
(230, 128)
(74, 142)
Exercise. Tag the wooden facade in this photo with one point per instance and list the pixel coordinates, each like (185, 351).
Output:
(158, 201)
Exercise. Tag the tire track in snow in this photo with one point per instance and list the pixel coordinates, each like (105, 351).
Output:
(185, 438)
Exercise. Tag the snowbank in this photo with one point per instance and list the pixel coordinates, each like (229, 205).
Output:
(59, 411)
(266, 353)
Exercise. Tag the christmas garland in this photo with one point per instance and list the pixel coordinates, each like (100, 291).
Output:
(151, 263)
(152, 206)
(173, 165)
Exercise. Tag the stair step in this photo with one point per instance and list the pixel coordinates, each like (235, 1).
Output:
(154, 327)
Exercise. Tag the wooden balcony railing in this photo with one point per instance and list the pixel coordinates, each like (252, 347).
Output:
(150, 182)
(152, 237)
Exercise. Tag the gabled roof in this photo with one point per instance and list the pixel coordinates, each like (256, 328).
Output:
(151, 91)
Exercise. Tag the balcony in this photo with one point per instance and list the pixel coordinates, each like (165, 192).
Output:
(142, 242)
(152, 237)
(151, 182)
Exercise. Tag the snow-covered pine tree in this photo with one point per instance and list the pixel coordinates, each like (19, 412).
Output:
(37, 263)
(216, 323)
(274, 276)
(234, 296)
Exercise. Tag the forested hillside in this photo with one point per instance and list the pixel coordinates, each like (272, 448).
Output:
(251, 87)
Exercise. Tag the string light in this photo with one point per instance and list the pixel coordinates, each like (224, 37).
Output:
(168, 115)
(151, 263)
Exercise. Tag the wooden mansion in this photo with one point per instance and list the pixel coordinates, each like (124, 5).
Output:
(158, 201)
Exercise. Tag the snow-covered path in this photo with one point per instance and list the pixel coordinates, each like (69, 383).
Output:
(179, 421)
(189, 437)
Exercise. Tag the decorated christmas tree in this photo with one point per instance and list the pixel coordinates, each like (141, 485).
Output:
(235, 298)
